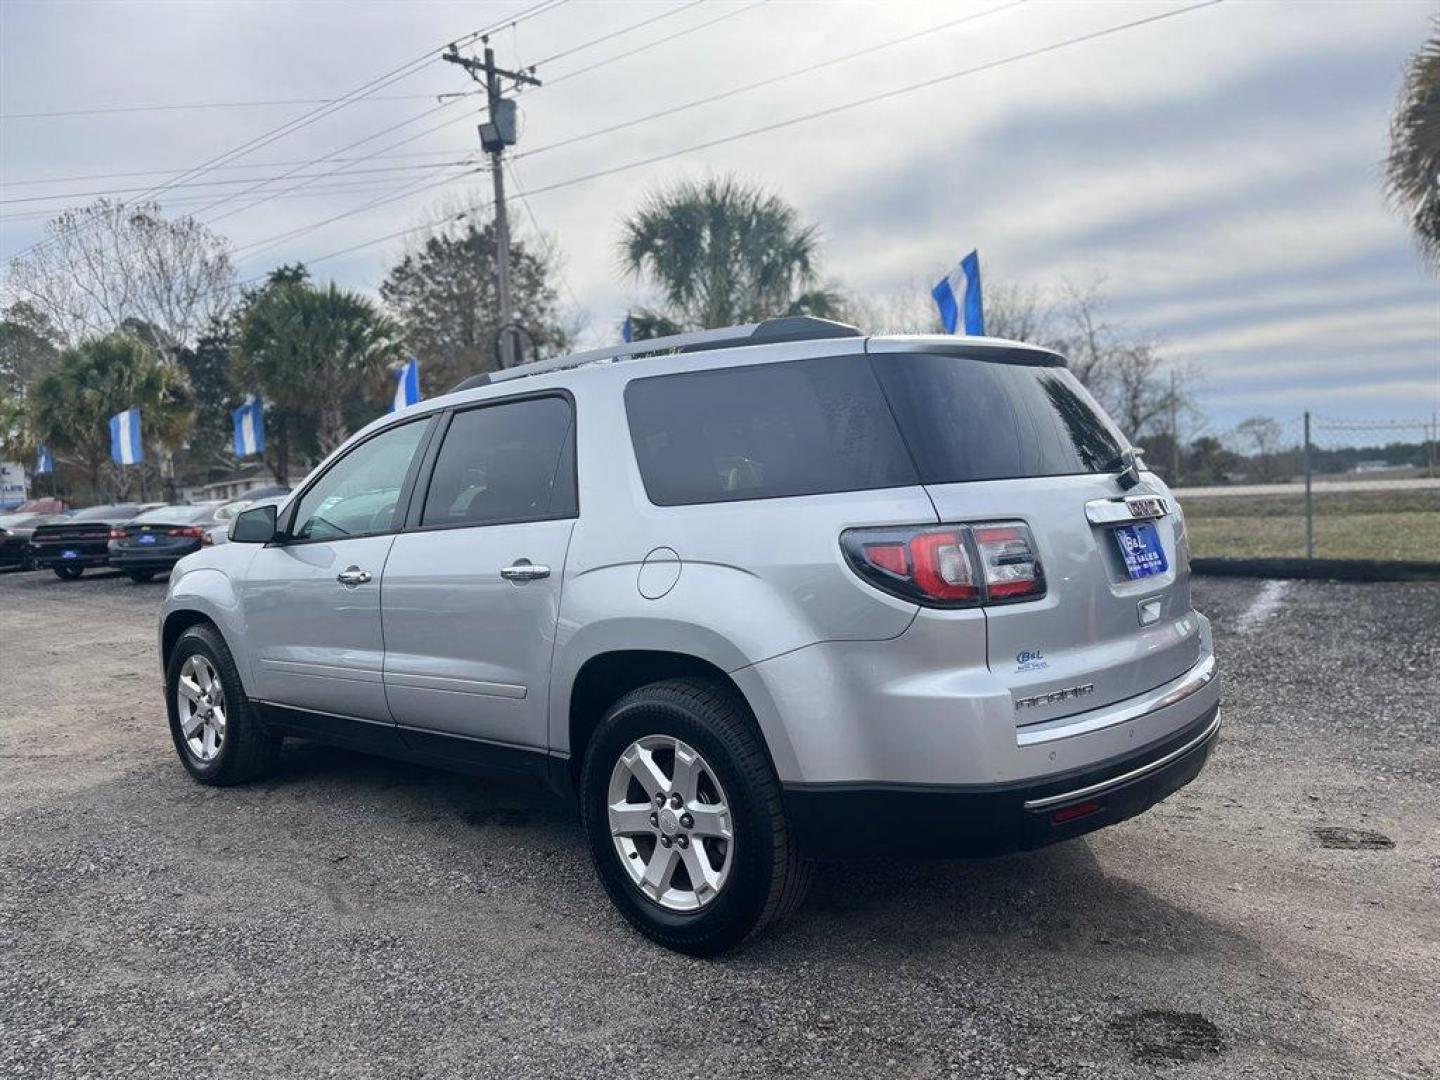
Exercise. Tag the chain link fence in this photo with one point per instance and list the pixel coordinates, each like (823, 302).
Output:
(1322, 487)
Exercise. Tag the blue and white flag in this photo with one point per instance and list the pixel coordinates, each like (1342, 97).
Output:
(249, 421)
(125, 438)
(407, 385)
(44, 461)
(627, 330)
(962, 282)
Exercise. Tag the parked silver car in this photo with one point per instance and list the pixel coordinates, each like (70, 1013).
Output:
(752, 596)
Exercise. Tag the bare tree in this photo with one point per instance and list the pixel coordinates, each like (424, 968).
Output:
(110, 263)
(1264, 434)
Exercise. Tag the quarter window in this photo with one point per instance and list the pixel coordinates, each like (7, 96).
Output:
(802, 427)
(514, 461)
(359, 494)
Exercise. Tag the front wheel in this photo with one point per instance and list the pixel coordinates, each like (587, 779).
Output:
(220, 739)
(68, 573)
(683, 814)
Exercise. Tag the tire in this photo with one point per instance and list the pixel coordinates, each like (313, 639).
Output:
(68, 573)
(766, 876)
(247, 750)
(140, 577)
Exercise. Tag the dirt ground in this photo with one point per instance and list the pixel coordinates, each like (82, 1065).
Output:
(1280, 917)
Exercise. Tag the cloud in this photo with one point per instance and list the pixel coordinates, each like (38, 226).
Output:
(1219, 169)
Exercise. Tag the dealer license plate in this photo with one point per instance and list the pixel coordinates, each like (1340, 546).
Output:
(1141, 549)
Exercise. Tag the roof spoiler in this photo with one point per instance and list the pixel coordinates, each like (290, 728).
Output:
(769, 332)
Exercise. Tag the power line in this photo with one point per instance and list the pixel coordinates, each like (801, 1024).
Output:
(948, 24)
(76, 178)
(291, 173)
(617, 33)
(361, 91)
(223, 183)
(896, 92)
(576, 48)
(195, 105)
(411, 189)
(808, 69)
(359, 186)
(564, 76)
(334, 158)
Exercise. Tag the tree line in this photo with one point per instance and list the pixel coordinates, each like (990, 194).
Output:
(122, 307)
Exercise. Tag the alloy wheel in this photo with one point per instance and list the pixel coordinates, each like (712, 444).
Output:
(670, 822)
(200, 701)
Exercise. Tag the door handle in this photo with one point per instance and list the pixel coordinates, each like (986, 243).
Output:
(352, 576)
(524, 570)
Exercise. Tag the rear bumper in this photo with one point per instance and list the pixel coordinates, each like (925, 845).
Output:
(48, 557)
(840, 820)
(150, 560)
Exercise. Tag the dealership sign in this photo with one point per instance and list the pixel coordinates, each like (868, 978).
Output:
(13, 491)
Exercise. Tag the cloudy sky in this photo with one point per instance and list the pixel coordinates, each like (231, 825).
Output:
(1217, 169)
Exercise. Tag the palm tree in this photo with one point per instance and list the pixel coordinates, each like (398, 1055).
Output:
(73, 402)
(722, 252)
(313, 354)
(1412, 171)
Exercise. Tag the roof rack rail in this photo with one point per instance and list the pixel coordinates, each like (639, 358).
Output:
(769, 332)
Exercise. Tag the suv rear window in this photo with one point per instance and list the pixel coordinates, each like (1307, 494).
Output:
(968, 418)
(801, 427)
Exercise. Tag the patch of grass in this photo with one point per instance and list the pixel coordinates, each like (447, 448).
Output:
(1404, 534)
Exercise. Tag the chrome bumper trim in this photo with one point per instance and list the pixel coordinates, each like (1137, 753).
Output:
(1134, 774)
(1196, 679)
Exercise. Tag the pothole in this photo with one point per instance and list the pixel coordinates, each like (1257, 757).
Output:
(1347, 839)
(1156, 1036)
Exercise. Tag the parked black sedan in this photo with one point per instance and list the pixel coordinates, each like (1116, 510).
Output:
(82, 540)
(156, 540)
(15, 532)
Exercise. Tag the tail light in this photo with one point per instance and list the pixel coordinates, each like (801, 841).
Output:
(1011, 565)
(207, 539)
(193, 531)
(949, 566)
(117, 534)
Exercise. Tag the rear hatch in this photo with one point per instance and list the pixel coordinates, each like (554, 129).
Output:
(1005, 434)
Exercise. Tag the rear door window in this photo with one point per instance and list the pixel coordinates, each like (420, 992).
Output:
(969, 418)
(801, 427)
(511, 461)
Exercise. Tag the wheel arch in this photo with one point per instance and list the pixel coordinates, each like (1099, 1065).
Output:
(605, 677)
(204, 596)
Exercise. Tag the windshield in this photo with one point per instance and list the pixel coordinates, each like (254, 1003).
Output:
(173, 515)
(118, 512)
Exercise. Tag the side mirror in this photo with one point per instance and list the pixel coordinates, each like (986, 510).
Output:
(254, 526)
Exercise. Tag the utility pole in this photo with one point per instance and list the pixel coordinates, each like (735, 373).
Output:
(1309, 502)
(497, 133)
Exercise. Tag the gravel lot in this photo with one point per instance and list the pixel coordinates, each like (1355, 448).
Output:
(1279, 917)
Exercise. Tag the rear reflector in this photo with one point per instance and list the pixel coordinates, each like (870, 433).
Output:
(948, 566)
(1070, 813)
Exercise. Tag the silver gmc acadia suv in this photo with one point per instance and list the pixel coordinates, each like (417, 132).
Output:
(752, 597)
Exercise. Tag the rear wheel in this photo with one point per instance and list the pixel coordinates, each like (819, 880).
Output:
(140, 576)
(220, 739)
(683, 815)
(68, 573)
